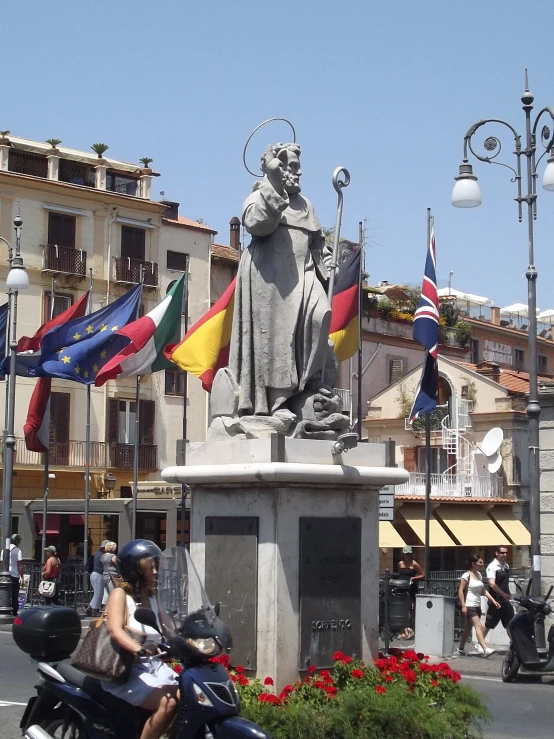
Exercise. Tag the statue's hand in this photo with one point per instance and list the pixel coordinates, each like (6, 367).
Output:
(275, 172)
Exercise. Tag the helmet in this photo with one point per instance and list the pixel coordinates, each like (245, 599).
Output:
(130, 555)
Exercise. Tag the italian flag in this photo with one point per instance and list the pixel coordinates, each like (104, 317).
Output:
(149, 336)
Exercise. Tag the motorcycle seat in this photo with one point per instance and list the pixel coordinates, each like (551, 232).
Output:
(77, 678)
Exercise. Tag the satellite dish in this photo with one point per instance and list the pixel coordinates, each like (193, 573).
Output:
(492, 442)
(494, 463)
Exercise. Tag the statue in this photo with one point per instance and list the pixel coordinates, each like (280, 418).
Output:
(281, 367)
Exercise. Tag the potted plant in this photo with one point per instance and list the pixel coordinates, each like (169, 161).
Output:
(4, 140)
(100, 150)
(54, 144)
(463, 332)
(146, 161)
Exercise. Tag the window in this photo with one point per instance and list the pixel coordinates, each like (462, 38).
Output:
(122, 417)
(185, 295)
(474, 346)
(520, 359)
(396, 370)
(178, 261)
(116, 182)
(61, 230)
(439, 460)
(126, 421)
(133, 243)
(543, 364)
(175, 382)
(60, 407)
(61, 303)
(76, 173)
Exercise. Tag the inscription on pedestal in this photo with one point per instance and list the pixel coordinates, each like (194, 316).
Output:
(330, 589)
(232, 579)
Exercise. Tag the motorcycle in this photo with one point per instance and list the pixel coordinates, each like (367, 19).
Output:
(71, 705)
(523, 651)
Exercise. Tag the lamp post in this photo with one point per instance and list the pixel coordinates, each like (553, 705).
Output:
(17, 280)
(109, 483)
(466, 194)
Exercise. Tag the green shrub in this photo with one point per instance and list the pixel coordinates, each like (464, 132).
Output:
(400, 697)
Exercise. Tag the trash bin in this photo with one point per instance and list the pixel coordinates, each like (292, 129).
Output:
(434, 625)
(399, 605)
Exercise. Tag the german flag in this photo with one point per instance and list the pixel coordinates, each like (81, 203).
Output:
(345, 316)
(205, 347)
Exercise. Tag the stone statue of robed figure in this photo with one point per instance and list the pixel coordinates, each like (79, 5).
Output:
(281, 366)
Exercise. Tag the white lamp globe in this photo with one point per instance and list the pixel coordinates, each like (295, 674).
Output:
(466, 193)
(18, 279)
(548, 177)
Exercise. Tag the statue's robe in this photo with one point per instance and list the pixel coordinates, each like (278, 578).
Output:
(282, 315)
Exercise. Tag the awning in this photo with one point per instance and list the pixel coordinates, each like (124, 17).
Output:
(389, 538)
(52, 523)
(510, 525)
(414, 516)
(471, 526)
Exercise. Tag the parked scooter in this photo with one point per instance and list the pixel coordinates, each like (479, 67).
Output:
(522, 629)
(71, 705)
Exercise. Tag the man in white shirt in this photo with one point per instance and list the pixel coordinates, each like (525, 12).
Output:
(498, 575)
(15, 570)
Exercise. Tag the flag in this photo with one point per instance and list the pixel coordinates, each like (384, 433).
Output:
(345, 308)
(149, 336)
(426, 333)
(78, 349)
(205, 347)
(32, 343)
(37, 427)
(3, 328)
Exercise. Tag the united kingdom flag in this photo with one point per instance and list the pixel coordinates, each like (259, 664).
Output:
(426, 333)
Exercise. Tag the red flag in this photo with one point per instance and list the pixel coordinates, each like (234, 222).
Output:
(32, 343)
(37, 426)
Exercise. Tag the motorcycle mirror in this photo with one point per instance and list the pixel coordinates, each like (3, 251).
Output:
(518, 585)
(549, 592)
(146, 617)
(217, 608)
(529, 585)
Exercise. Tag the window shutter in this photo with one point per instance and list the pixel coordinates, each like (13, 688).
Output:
(133, 241)
(60, 404)
(147, 412)
(396, 368)
(113, 417)
(410, 458)
(61, 230)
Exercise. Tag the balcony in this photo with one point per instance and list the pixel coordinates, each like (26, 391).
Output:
(453, 486)
(64, 260)
(130, 271)
(72, 454)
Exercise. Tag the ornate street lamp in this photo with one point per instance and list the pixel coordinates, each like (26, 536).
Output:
(109, 482)
(466, 194)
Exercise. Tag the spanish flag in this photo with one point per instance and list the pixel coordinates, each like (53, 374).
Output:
(205, 347)
(345, 312)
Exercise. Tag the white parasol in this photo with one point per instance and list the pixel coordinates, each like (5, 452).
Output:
(517, 309)
(461, 297)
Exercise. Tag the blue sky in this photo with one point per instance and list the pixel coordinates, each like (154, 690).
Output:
(387, 89)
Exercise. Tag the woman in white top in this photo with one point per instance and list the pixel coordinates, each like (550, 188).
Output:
(470, 591)
(152, 684)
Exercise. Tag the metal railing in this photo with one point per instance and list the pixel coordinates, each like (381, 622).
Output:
(129, 270)
(453, 486)
(64, 259)
(73, 585)
(24, 162)
(102, 455)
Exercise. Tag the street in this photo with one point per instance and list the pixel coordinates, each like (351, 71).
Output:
(524, 708)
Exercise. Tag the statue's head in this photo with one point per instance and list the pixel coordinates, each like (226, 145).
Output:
(289, 155)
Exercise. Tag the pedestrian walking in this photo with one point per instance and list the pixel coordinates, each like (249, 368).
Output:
(97, 581)
(111, 573)
(16, 570)
(470, 591)
(50, 574)
(498, 574)
(409, 569)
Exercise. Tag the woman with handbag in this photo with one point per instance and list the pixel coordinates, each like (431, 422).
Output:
(151, 684)
(51, 570)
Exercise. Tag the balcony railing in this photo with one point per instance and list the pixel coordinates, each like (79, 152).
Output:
(102, 455)
(453, 486)
(130, 271)
(64, 260)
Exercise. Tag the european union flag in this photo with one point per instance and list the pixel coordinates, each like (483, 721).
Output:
(77, 350)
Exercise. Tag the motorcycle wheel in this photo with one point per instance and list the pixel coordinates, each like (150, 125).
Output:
(57, 727)
(510, 666)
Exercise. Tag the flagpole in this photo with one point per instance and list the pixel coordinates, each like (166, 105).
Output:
(87, 445)
(360, 314)
(136, 459)
(427, 561)
(46, 457)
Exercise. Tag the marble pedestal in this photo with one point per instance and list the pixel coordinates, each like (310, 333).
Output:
(285, 535)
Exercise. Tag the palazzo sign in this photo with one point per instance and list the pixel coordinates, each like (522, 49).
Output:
(495, 351)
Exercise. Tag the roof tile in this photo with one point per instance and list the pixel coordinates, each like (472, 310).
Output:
(225, 253)
(187, 223)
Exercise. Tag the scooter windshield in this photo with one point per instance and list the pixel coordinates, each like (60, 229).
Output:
(180, 590)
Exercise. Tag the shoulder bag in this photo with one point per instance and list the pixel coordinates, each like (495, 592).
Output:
(99, 656)
(47, 588)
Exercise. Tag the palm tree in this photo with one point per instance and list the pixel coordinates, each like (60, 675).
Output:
(146, 161)
(4, 137)
(100, 149)
(53, 142)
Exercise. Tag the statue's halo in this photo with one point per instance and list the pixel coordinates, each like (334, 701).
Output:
(269, 120)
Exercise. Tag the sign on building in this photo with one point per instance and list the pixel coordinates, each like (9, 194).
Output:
(386, 503)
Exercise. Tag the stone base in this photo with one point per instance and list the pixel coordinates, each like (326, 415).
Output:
(289, 547)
